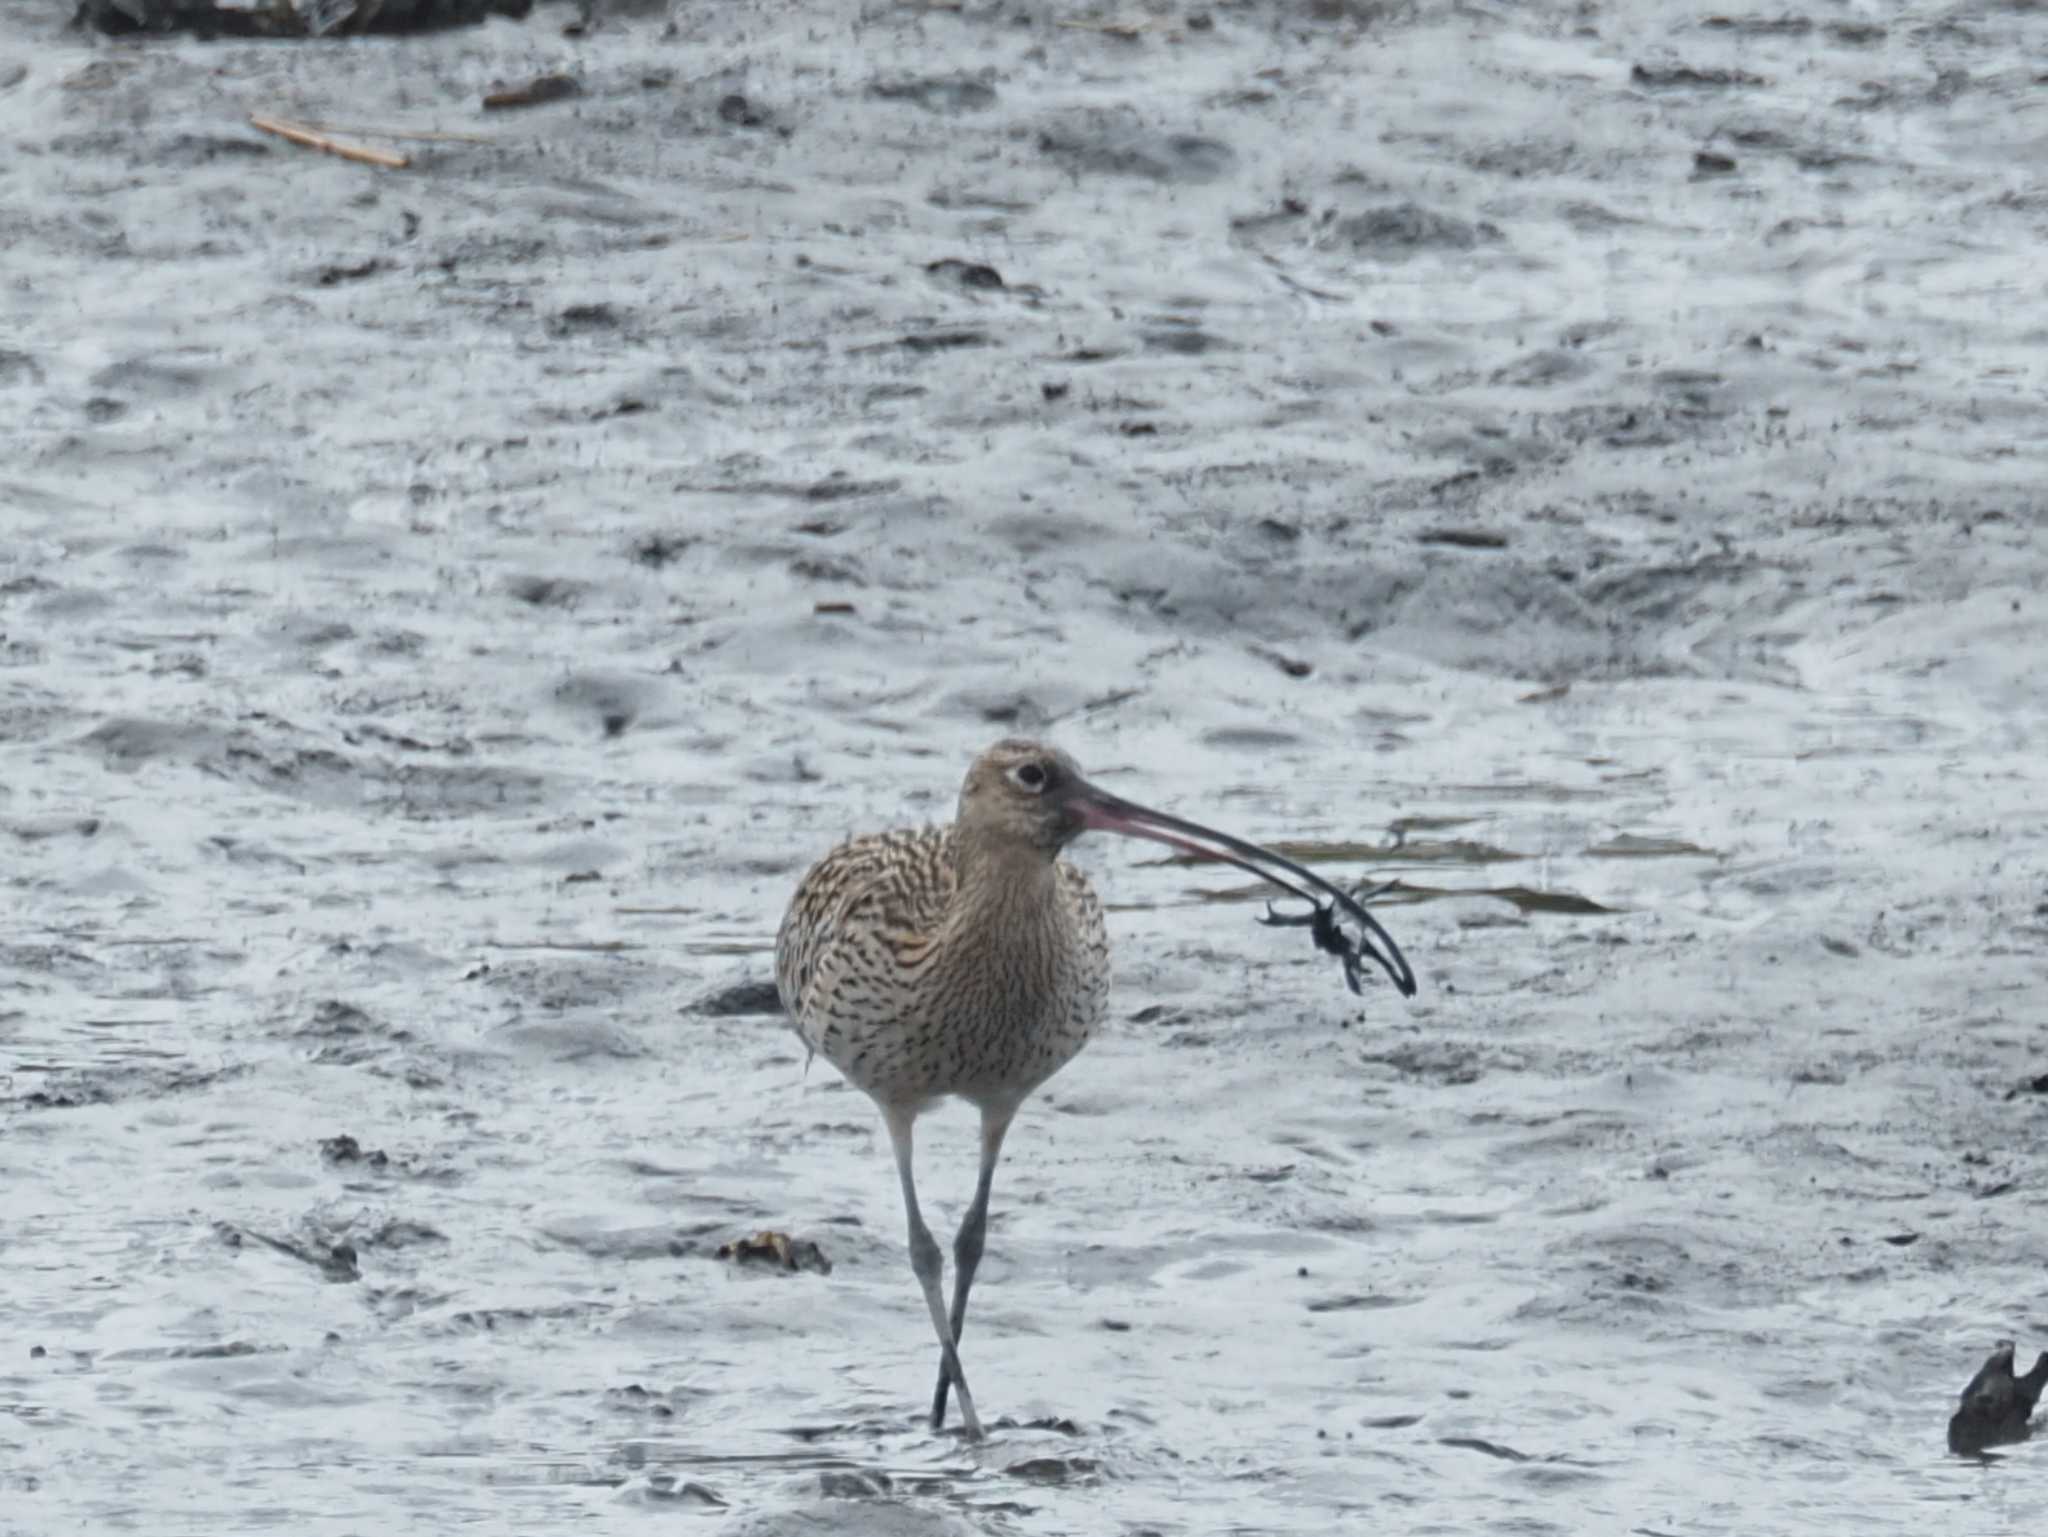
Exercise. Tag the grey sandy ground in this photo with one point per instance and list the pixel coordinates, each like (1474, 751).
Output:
(417, 689)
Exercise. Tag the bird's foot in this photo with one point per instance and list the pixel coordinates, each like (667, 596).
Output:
(970, 1422)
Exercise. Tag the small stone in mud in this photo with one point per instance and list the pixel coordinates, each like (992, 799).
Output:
(658, 550)
(1997, 1405)
(966, 274)
(740, 998)
(545, 591)
(533, 93)
(597, 316)
(1464, 538)
(345, 1149)
(741, 113)
(777, 1251)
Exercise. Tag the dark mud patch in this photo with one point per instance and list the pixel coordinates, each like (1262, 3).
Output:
(56, 1088)
(1106, 142)
(1401, 230)
(740, 999)
(940, 94)
(269, 761)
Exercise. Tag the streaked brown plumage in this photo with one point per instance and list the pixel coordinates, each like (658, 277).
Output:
(970, 960)
(927, 963)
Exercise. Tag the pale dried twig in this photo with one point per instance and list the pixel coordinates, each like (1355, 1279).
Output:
(405, 135)
(297, 133)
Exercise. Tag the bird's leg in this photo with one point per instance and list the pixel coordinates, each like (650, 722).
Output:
(929, 1265)
(967, 1247)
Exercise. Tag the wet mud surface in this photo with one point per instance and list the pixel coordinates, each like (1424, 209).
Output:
(1582, 462)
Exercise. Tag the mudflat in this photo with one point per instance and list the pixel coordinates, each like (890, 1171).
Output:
(1584, 462)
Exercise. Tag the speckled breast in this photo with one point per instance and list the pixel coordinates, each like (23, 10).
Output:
(986, 1005)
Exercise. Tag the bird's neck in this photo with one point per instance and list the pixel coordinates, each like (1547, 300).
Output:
(1000, 873)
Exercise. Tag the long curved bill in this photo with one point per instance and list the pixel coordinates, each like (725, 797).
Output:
(1334, 909)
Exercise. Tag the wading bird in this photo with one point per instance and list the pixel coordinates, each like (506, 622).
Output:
(971, 960)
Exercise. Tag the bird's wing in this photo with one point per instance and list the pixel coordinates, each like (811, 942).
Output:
(888, 891)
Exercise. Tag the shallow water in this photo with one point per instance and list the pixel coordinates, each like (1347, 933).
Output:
(445, 610)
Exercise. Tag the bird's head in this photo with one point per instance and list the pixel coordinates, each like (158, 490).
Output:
(1026, 794)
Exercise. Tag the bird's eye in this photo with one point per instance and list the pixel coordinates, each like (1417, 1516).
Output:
(1028, 776)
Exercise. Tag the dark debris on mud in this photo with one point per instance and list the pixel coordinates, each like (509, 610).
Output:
(770, 1250)
(1997, 1405)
